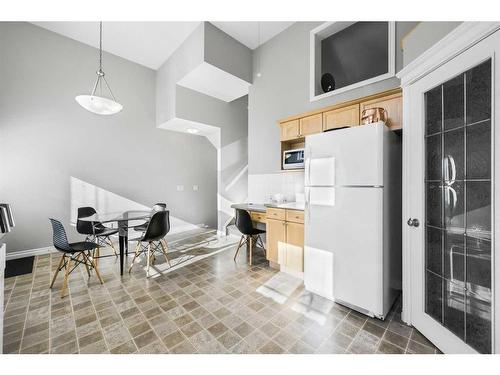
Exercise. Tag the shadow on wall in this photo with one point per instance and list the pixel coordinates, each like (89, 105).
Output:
(86, 194)
(233, 175)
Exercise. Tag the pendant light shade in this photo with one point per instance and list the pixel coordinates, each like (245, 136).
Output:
(99, 104)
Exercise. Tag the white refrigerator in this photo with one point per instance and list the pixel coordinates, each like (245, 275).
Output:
(353, 222)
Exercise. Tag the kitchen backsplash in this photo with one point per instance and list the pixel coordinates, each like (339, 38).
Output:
(262, 186)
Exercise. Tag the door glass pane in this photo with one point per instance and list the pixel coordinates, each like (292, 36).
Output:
(478, 99)
(458, 189)
(453, 103)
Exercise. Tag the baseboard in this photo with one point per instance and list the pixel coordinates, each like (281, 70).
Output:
(30, 252)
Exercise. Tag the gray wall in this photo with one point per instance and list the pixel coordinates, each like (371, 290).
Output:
(232, 120)
(283, 90)
(423, 36)
(209, 44)
(226, 53)
(185, 58)
(46, 137)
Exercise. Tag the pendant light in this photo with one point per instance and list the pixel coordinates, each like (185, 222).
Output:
(99, 104)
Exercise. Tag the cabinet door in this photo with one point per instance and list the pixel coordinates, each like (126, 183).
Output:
(295, 246)
(290, 130)
(276, 239)
(342, 117)
(311, 125)
(393, 104)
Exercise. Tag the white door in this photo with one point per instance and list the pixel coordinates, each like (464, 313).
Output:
(452, 190)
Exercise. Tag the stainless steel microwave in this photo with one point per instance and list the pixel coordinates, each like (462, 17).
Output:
(293, 159)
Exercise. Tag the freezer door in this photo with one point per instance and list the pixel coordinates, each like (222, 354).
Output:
(346, 157)
(350, 230)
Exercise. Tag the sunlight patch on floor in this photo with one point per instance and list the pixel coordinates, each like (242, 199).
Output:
(313, 307)
(280, 287)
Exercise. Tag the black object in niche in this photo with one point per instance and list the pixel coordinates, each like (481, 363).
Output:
(327, 82)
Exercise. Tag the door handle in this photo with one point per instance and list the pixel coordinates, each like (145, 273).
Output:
(413, 222)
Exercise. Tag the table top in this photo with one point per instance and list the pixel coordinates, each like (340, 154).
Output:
(250, 207)
(256, 207)
(108, 217)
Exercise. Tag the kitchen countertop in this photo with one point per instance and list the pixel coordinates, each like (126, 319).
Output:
(259, 207)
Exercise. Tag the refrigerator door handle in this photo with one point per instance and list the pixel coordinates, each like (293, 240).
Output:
(308, 203)
(308, 168)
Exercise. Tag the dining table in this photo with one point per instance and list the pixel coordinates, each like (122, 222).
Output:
(123, 221)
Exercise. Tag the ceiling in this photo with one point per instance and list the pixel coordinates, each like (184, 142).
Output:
(151, 43)
(248, 32)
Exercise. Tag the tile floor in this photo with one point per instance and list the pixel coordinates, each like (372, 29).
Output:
(212, 305)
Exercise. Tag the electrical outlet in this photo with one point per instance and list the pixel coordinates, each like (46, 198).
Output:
(195, 187)
(180, 187)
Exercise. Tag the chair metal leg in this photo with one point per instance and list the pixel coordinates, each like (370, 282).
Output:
(86, 264)
(238, 248)
(259, 238)
(57, 271)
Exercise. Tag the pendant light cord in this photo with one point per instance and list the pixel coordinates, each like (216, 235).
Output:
(100, 72)
(100, 46)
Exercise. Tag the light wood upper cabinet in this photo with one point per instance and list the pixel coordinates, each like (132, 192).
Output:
(341, 117)
(393, 104)
(311, 124)
(290, 130)
(275, 239)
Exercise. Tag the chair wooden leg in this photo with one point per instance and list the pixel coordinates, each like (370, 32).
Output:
(84, 256)
(57, 271)
(250, 248)
(94, 265)
(164, 251)
(112, 246)
(66, 274)
(148, 259)
(137, 252)
(238, 248)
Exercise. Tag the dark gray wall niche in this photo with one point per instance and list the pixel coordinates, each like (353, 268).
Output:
(357, 53)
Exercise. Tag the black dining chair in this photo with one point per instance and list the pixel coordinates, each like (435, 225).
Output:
(94, 230)
(245, 226)
(157, 207)
(77, 252)
(153, 239)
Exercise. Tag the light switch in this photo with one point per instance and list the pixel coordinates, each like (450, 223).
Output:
(195, 187)
(180, 187)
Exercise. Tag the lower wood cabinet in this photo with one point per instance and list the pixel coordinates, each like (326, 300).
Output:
(285, 240)
(275, 238)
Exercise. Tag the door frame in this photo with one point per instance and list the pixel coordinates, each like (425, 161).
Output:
(456, 42)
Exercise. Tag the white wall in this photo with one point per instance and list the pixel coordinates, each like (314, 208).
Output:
(283, 90)
(47, 140)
